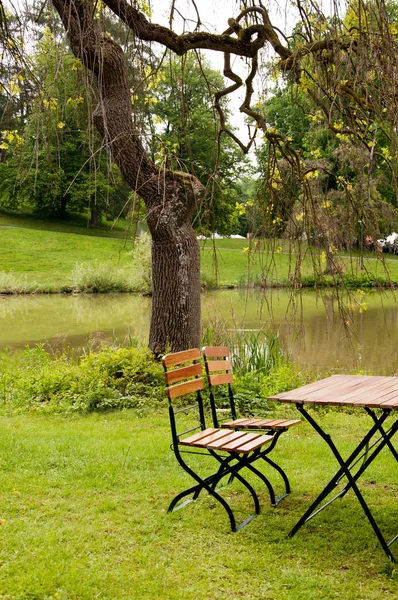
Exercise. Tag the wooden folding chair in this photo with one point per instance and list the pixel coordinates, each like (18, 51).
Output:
(219, 373)
(231, 450)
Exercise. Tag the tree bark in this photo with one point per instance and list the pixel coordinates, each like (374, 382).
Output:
(94, 218)
(170, 196)
(175, 319)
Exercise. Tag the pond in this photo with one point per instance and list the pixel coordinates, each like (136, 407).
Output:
(312, 329)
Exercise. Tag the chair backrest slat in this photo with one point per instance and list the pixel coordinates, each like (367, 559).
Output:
(221, 379)
(181, 389)
(216, 351)
(218, 365)
(218, 358)
(178, 358)
(183, 373)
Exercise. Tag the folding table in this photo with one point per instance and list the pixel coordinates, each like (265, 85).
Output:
(378, 397)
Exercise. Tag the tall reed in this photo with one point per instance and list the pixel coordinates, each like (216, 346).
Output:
(251, 351)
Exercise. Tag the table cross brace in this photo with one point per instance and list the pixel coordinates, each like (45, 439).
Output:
(345, 466)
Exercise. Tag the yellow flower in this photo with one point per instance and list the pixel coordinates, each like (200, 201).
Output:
(77, 65)
(60, 125)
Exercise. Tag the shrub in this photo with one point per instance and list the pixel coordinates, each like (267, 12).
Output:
(14, 284)
(251, 351)
(99, 278)
(141, 279)
(109, 379)
(251, 393)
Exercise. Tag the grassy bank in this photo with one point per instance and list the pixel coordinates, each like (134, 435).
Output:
(78, 224)
(42, 257)
(83, 515)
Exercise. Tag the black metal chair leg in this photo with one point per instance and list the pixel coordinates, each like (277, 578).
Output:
(196, 489)
(267, 482)
(281, 472)
(242, 462)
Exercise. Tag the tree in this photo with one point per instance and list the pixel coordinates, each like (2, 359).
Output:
(345, 194)
(180, 108)
(55, 165)
(330, 62)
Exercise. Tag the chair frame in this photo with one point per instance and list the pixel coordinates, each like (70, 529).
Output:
(232, 451)
(216, 359)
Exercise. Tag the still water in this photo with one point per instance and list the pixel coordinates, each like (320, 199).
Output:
(312, 329)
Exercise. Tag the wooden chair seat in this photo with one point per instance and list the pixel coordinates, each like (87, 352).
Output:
(227, 440)
(257, 423)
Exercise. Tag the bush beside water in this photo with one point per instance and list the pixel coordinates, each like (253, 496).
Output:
(117, 378)
(111, 378)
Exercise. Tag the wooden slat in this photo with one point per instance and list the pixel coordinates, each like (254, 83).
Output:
(230, 437)
(274, 423)
(183, 373)
(250, 423)
(390, 404)
(197, 436)
(231, 447)
(364, 390)
(208, 439)
(329, 390)
(216, 351)
(221, 379)
(178, 358)
(261, 423)
(175, 391)
(254, 444)
(376, 393)
(287, 423)
(235, 423)
(218, 365)
(333, 388)
(387, 395)
(298, 393)
(346, 390)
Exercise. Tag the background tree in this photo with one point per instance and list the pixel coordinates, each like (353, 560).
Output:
(327, 58)
(180, 108)
(56, 165)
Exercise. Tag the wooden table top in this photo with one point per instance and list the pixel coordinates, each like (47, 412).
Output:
(346, 390)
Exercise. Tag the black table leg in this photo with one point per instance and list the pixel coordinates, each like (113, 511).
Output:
(345, 470)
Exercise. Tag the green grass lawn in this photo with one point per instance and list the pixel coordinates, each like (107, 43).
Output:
(83, 506)
(46, 254)
(276, 262)
(49, 257)
(120, 228)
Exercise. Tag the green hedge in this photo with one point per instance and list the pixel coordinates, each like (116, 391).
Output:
(116, 378)
(111, 378)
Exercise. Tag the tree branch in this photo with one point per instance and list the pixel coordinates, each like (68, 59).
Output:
(180, 44)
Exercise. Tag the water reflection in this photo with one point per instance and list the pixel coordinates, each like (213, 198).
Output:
(32, 319)
(313, 330)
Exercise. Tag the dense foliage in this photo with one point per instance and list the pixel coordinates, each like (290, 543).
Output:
(52, 163)
(114, 378)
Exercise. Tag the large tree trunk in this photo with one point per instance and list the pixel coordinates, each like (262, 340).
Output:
(170, 196)
(175, 321)
(176, 293)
